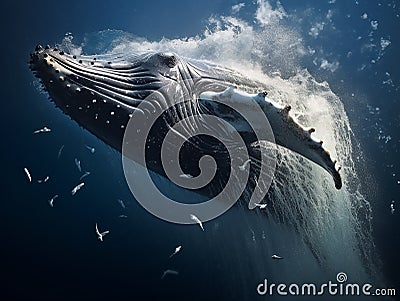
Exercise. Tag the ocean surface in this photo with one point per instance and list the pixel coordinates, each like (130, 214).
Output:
(336, 62)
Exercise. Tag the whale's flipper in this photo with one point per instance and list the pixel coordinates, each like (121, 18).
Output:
(287, 132)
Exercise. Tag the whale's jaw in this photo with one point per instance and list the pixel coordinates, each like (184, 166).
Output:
(102, 93)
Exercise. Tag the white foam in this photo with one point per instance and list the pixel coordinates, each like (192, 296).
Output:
(266, 15)
(236, 8)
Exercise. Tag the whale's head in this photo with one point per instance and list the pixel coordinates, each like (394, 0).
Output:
(101, 92)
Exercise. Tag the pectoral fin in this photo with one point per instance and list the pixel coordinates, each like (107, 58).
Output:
(287, 132)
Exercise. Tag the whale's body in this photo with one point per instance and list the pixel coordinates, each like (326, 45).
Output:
(102, 93)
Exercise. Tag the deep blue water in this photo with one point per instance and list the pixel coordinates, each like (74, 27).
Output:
(52, 253)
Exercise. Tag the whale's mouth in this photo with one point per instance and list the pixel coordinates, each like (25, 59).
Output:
(106, 77)
(98, 92)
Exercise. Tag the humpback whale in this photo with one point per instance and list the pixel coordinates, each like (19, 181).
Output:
(102, 93)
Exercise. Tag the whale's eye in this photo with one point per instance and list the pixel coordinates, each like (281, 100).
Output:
(169, 59)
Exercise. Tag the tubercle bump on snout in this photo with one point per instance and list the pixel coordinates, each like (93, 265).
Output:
(41, 55)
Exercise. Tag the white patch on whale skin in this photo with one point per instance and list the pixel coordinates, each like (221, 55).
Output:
(230, 96)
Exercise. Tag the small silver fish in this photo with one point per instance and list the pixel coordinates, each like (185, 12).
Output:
(76, 188)
(169, 272)
(177, 250)
(197, 220)
(42, 130)
(78, 164)
(51, 201)
(28, 174)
